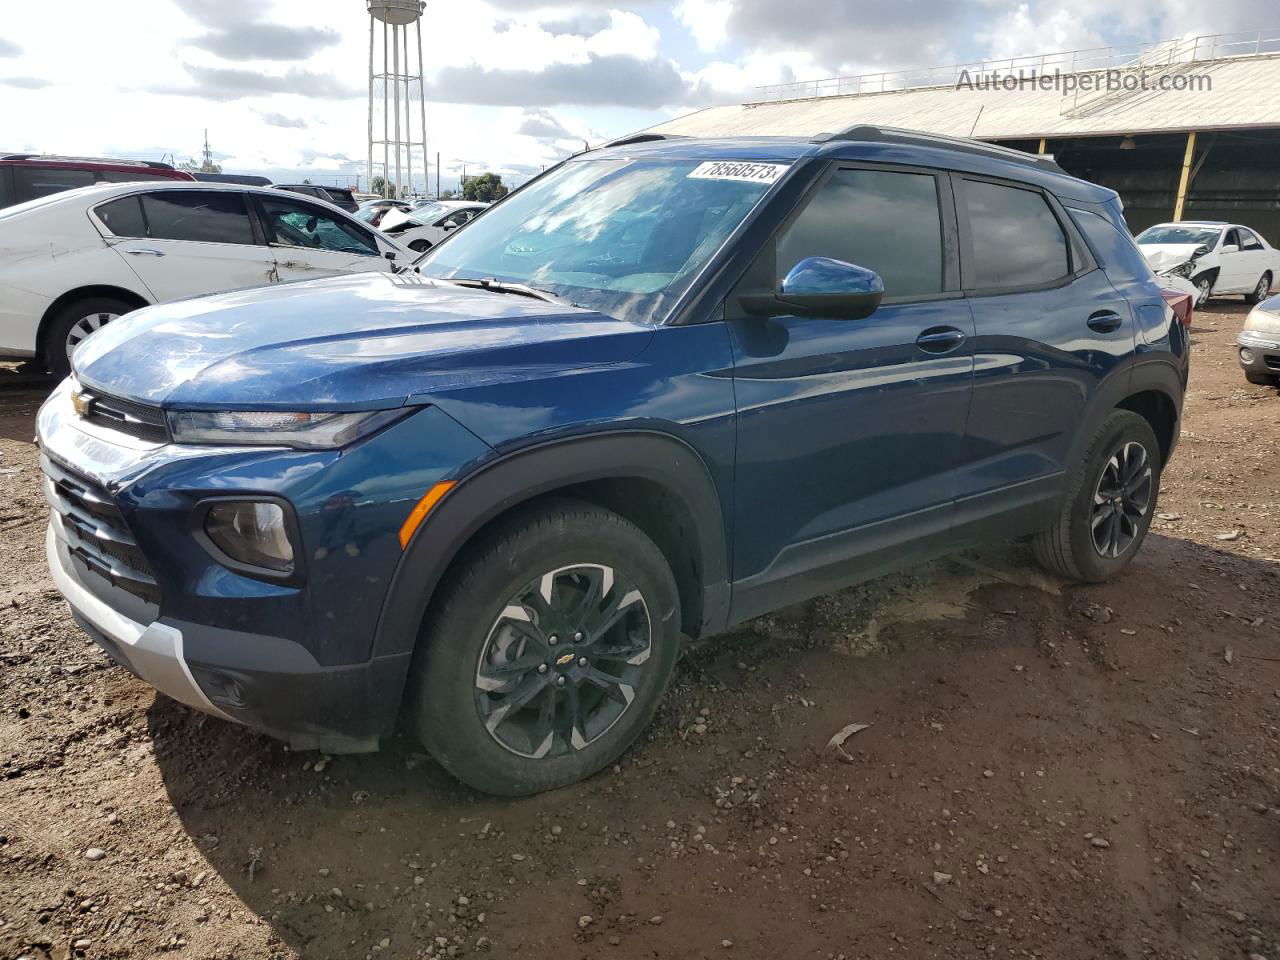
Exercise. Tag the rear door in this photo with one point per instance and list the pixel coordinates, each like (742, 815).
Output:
(1050, 328)
(184, 243)
(1256, 258)
(1233, 273)
(310, 241)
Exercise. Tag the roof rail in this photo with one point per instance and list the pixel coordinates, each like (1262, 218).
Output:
(875, 134)
(154, 164)
(642, 138)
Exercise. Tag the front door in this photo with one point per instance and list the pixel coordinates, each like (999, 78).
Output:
(849, 431)
(311, 242)
(187, 243)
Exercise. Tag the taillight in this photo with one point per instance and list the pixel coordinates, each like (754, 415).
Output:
(1181, 304)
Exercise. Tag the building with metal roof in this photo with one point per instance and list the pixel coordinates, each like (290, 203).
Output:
(1186, 128)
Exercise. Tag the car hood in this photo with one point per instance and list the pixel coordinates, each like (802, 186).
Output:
(1162, 256)
(363, 341)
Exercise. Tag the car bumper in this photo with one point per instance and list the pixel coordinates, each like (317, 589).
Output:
(1258, 354)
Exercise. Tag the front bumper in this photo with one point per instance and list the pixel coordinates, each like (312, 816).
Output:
(298, 660)
(1264, 353)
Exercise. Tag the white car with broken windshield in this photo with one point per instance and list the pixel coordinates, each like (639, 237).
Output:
(1217, 258)
(74, 261)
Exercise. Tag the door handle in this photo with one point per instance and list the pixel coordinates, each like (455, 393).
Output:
(1105, 321)
(940, 339)
(145, 253)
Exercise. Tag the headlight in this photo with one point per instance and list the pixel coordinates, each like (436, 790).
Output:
(1181, 270)
(1263, 321)
(302, 431)
(252, 532)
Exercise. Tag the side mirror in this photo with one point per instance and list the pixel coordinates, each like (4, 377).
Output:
(822, 287)
(450, 225)
(1230, 248)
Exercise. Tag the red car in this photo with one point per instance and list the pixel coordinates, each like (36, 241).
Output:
(26, 176)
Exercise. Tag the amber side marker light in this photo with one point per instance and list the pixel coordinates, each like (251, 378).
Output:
(420, 511)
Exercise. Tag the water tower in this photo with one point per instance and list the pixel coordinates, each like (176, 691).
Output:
(396, 94)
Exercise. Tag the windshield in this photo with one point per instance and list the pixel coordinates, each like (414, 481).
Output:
(624, 237)
(1200, 236)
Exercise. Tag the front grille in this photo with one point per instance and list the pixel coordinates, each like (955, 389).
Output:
(1272, 360)
(94, 530)
(139, 420)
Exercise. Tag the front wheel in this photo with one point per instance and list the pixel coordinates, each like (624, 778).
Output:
(547, 651)
(1204, 289)
(1110, 500)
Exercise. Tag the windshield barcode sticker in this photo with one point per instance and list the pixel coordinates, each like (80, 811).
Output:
(735, 170)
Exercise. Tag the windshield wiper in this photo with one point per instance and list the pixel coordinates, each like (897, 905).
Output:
(505, 286)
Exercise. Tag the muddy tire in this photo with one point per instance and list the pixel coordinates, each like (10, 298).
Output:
(547, 652)
(1110, 500)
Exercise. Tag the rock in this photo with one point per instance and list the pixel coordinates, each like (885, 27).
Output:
(518, 857)
(656, 920)
(940, 878)
(94, 853)
(726, 944)
(584, 921)
(1102, 843)
(988, 774)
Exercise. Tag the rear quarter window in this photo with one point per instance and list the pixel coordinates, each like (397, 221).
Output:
(1115, 249)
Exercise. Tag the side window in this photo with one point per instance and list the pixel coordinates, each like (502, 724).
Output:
(200, 216)
(1248, 240)
(1015, 238)
(292, 224)
(882, 220)
(31, 183)
(123, 217)
(1115, 250)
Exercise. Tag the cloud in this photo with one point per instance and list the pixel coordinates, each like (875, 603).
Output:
(221, 13)
(280, 120)
(227, 83)
(707, 20)
(543, 125)
(8, 48)
(614, 80)
(267, 41)
(577, 25)
(26, 83)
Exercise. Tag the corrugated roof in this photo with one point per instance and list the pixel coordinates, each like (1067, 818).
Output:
(1245, 93)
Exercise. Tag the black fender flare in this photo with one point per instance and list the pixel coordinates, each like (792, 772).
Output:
(515, 478)
(1143, 376)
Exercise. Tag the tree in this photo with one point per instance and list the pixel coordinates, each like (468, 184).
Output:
(378, 185)
(190, 166)
(485, 188)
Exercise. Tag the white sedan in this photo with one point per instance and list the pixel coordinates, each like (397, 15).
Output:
(1218, 258)
(71, 262)
(422, 228)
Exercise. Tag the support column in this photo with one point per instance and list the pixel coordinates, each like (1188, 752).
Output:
(1042, 146)
(1185, 180)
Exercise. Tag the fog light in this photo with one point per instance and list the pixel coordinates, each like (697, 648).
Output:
(1246, 355)
(252, 532)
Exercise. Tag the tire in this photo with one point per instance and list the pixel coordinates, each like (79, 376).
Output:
(75, 321)
(1204, 284)
(1262, 379)
(1261, 291)
(481, 647)
(1068, 548)
(420, 246)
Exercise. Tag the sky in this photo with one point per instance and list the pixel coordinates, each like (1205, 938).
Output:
(512, 85)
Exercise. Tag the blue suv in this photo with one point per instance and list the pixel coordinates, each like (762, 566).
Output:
(668, 386)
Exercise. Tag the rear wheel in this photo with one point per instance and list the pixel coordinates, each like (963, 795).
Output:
(1111, 497)
(73, 324)
(547, 652)
(1261, 291)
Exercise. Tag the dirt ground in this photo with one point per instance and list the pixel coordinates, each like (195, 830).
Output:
(1050, 771)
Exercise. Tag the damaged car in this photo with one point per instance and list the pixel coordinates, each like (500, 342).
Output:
(1216, 257)
(74, 261)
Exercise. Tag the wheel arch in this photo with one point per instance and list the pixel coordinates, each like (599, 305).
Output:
(83, 293)
(653, 479)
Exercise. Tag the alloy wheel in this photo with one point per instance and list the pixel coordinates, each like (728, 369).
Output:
(1263, 289)
(1121, 499)
(1205, 287)
(85, 326)
(564, 661)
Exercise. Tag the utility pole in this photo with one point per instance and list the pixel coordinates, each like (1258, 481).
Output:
(208, 154)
